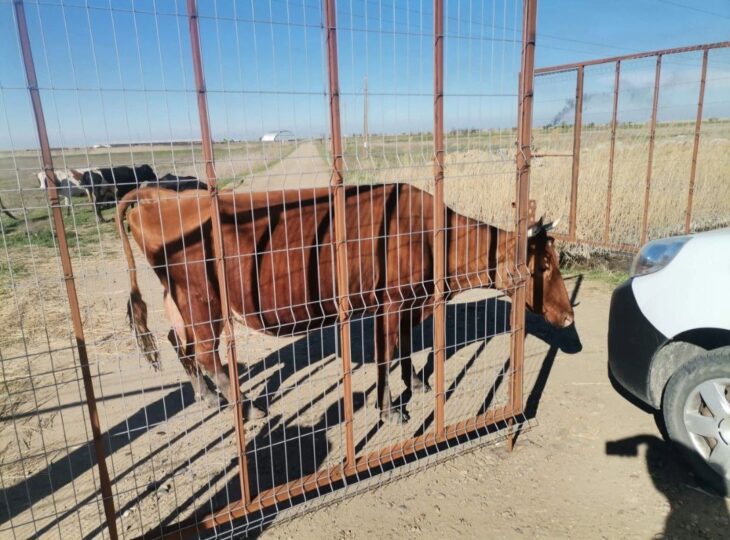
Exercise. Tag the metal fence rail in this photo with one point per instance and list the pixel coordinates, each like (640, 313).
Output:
(161, 466)
(629, 232)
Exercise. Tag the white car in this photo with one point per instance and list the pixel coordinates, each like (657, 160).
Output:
(669, 345)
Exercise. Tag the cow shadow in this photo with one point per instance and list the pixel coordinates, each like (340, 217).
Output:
(466, 323)
(693, 512)
(287, 452)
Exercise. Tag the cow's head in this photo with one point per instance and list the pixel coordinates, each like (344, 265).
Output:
(145, 173)
(546, 292)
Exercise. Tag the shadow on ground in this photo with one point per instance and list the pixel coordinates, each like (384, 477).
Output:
(302, 448)
(693, 512)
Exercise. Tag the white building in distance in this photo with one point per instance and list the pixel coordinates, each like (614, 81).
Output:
(278, 136)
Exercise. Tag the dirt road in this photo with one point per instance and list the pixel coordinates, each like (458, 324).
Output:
(594, 467)
(304, 167)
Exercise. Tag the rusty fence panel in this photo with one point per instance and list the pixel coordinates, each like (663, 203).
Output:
(68, 272)
(696, 143)
(439, 316)
(522, 206)
(218, 246)
(318, 230)
(620, 228)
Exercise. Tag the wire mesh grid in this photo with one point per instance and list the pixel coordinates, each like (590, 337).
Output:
(275, 164)
(630, 139)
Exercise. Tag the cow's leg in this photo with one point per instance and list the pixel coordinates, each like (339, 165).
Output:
(181, 338)
(186, 355)
(405, 342)
(97, 205)
(207, 339)
(386, 337)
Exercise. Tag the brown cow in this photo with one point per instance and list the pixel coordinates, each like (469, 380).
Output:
(280, 258)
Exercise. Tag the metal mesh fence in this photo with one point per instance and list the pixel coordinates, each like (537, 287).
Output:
(320, 248)
(633, 138)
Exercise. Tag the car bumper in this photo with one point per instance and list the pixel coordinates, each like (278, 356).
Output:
(632, 342)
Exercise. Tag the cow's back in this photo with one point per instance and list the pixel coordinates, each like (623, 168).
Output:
(280, 249)
(282, 277)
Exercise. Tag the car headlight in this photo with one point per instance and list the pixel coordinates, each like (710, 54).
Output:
(657, 254)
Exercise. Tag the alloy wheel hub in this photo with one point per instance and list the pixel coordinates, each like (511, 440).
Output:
(723, 429)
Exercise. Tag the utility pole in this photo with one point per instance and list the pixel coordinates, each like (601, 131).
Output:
(365, 134)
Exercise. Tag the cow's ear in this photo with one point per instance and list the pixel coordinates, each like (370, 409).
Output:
(76, 174)
(535, 228)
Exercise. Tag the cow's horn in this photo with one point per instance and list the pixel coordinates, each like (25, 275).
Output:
(535, 228)
(552, 225)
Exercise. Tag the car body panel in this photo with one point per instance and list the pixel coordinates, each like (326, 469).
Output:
(693, 290)
(632, 343)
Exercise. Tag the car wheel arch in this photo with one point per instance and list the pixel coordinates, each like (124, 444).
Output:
(676, 352)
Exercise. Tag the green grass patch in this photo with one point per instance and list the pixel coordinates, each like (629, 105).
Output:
(605, 275)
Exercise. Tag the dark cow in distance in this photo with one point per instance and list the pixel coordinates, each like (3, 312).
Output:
(110, 184)
(180, 183)
(280, 257)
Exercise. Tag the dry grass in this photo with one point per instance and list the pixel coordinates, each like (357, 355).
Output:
(669, 180)
(480, 182)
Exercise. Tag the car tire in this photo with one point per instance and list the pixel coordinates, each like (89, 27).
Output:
(661, 425)
(696, 414)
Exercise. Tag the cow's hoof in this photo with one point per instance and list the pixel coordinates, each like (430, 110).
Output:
(252, 412)
(211, 400)
(422, 387)
(396, 416)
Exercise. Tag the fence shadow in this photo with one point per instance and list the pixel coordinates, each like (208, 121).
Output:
(566, 340)
(304, 448)
(705, 514)
(63, 471)
(466, 323)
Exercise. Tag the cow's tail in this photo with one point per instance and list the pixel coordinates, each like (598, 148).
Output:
(136, 307)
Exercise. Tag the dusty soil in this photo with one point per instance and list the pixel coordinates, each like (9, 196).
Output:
(593, 466)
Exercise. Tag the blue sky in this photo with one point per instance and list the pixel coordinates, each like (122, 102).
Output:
(119, 70)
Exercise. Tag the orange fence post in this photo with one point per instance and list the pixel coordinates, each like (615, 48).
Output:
(337, 185)
(612, 152)
(696, 145)
(524, 156)
(577, 129)
(218, 249)
(67, 267)
(439, 225)
(650, 159)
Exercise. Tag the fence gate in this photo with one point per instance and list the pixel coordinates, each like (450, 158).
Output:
(299, 158)
(629, 148)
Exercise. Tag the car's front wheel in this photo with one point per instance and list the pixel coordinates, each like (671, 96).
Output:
(696, 410)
